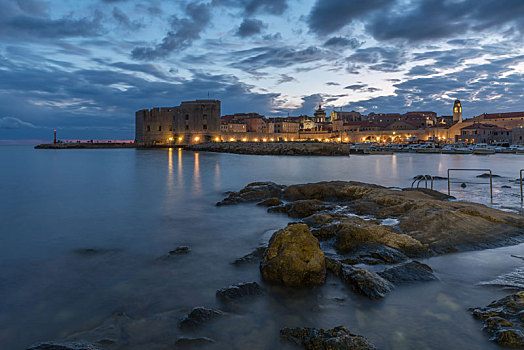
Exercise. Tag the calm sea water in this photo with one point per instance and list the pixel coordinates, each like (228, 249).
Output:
(133, 206)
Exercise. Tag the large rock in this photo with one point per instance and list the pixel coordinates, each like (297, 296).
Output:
(192, 343)
(253, 192)
(361, 280)
(338, 338)
(504, 320)
(294, 258)
(198, 316)
(412, 271)
(372, 254)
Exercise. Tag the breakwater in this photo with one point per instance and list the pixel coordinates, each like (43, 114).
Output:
(275, 148)
(85, 145)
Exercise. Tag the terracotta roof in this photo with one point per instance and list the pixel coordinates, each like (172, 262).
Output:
(502, 115)
(476, 126)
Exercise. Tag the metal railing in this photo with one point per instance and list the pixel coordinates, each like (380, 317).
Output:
(425, 178)
(463, 182)
(521, 192)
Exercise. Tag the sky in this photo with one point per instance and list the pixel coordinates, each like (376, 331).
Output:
(84, 67)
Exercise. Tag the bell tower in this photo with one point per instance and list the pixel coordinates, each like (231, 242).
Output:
(457, 112)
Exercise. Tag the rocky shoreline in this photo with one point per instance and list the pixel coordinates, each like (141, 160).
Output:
(274, 148)
(368, 236)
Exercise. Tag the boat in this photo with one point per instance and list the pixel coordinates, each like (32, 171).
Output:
(427, 148)
(483, 149)
(519, 150)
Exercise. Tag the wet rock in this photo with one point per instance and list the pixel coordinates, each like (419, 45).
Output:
(239, 291)
(505, 186)
(361, 280)
(412, 271)
(180, 250)
(198, 316)
(294, 258)
(504, 319)
(254, 256)
(373, 254)
(319, 219)
(351, 234)
(270, 202)
(191, 343)
(463, 185)
(64, 346)
(277, 209)
(328, 191)
(306, 207)
(253, 192)
(338, 338)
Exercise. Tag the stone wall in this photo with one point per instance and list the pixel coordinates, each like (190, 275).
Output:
(275, 148)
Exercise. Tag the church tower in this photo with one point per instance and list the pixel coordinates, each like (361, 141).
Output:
(320, 115)
(457, 112)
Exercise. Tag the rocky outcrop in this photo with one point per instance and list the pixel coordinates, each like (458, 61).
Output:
(294, 258)
(275, 148)
(192, 343)
(253, 192)
(180, 250)
(270, 202)
(362, 281)
(338, 338)
(64, 346)
(306, 207)
(504, 320)
(408, 272)
(372, 254)
(429, 222)
(197, 317)
(238, 291)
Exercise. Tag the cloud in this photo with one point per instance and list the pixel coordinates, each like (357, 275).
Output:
(341, 42)
(328, 16)
(284, 78)
(15, 123)
(250, 27)
(277, 57)
(250, 7)
(123, 20)
(332, 83)
(355, 87)
(385, 59)
(184, 32)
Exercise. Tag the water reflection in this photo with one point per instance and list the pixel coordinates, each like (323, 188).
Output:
(180, 169)
(197, 185)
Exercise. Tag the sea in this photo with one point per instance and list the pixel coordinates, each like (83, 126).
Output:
(85, 237)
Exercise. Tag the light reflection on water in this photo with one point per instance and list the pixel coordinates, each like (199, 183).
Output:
(136, 206)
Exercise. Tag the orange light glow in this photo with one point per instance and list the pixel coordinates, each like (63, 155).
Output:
(197, 138)
(244, 139)
(231, 140)
(217, 139)
(256, 140)
(264, 140)
(179, 139)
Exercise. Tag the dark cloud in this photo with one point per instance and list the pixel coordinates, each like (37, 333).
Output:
(250, 27)
(421, 70)
(32, 27)
(123, 20)
(184, 32)
(328, 16)
(448, 18)
(279, 57)
(250, 7)
(355, 87)
(332, 83)
(284, 78)
(341, 42)
(272, 37)
(385, 59)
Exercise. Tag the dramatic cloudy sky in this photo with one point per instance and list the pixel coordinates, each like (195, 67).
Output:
(84, 67)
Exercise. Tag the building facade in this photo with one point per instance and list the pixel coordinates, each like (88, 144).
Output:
(191, 122)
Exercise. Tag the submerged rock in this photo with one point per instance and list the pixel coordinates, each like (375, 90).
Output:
(180, 250)
(253, 192)
(361, 280)
(64, 346)
(191, 343)
(198, 316)
(255, 256)
(338, 338)
(239, 291)
(504, 319)
(412, 271)
(294, 258)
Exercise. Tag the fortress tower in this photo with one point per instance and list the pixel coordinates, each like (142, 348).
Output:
(457, 112)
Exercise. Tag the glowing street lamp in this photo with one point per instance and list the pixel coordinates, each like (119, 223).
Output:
(244, 139)
(170, 139)
(256, 140)
(264, 140)
(180, 139)
(231, 140)
(197, 139)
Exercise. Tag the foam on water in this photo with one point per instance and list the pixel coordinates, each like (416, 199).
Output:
(513, 279)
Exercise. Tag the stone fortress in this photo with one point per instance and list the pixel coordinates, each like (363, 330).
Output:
(200, 121)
